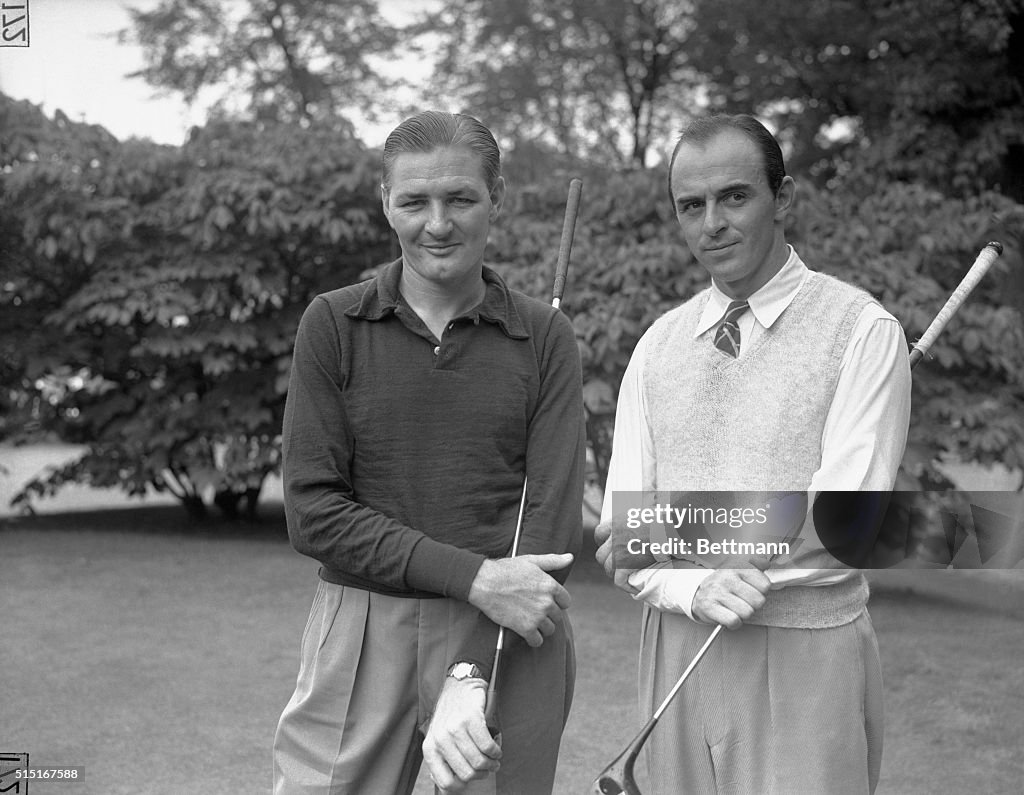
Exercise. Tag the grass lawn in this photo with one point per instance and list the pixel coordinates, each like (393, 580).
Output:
(158, 655)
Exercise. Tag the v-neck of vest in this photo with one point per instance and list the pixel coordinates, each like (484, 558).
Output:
(730, 361)
(734, 361)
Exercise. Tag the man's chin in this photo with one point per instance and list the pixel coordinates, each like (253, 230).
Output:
(724, 272)
(444, 270)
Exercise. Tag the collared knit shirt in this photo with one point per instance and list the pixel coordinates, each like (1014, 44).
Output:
(404, 455)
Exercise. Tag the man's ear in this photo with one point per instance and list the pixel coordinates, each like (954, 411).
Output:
(497, 198)
(385, 194)
(784, 198)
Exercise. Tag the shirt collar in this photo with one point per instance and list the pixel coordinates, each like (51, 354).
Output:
(382, 298)
(767, 304)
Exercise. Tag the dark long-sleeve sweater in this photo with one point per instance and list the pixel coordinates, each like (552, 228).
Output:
(404, 455)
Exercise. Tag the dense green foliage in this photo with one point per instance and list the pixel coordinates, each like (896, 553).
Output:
(910, 246)
(160, 289)
(932, 91)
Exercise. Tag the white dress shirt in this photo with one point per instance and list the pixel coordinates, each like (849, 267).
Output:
(861, 447)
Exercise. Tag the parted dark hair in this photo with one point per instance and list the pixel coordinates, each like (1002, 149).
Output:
(702, 130)
(433, 129)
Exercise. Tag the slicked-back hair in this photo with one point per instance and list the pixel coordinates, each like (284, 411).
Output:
(433, 129)
(701, 131)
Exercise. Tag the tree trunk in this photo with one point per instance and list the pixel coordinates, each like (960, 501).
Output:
(195, 507)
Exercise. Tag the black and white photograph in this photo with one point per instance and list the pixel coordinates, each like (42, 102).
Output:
(536, 397)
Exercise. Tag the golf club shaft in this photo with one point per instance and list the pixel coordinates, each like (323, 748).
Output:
(491, 704)
(693, 664)
(981, 265)
(572, 207)
(618, 777)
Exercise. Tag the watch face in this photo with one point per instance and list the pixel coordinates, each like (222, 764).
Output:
(464, 670)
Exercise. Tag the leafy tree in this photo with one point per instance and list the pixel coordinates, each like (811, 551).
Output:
(50, 242)
(604, 79)
(280, 60)
(913, 89)
(910, 245)
(927, 90)
(181, 275)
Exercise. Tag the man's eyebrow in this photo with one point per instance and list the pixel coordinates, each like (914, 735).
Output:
(687, 197)
(731, 187)
(416, 192)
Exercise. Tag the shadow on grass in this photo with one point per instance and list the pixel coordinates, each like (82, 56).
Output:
(163, 520)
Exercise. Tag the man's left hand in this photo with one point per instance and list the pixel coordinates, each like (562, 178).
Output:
(458, 747)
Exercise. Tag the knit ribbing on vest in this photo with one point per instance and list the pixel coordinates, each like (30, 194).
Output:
(756, 423)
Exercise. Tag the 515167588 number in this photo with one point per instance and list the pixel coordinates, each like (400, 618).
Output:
(49, 774)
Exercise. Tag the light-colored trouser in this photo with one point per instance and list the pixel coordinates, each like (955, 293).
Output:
(370, 671)
(767, 709)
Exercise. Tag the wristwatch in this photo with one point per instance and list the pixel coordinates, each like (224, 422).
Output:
(465, 670)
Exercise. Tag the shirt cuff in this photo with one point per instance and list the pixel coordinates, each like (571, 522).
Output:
(669, 589)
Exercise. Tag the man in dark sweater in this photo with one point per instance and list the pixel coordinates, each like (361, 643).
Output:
(419, 401)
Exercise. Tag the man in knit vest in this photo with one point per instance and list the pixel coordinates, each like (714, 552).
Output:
(775, 378)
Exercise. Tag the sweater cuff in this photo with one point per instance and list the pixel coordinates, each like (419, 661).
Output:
(442, 569)
(478, 647)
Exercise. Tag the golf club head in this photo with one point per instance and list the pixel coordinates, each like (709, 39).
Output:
(609, 785)
(617, 778)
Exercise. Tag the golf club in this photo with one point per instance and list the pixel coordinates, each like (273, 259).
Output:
(985, 260)
(572, 208)
(618, 777)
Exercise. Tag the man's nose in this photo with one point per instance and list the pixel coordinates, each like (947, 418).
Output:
(438, 222)
(714, 220)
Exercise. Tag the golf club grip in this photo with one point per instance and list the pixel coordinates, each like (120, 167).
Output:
(572, 208)
(491, 720)
(981, 265)
(491, 701)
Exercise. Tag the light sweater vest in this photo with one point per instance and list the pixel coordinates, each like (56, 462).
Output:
(756, 423)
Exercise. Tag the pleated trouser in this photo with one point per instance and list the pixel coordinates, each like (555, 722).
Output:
(371, 668)
(767, 710)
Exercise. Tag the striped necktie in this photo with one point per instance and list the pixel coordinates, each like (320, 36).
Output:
(727, 337)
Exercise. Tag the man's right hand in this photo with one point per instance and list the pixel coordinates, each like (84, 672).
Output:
(605, 555)
(730, 596)
(518, 593)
